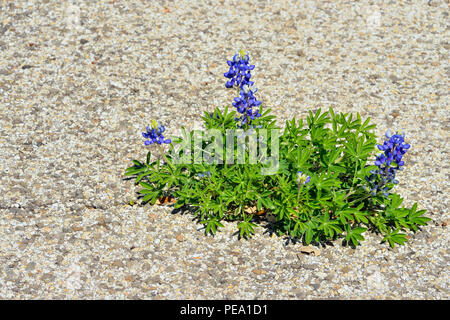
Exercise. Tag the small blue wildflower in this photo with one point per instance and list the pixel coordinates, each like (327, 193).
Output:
(202, 175)
(154, 134)
(211, 115)
(302, 179)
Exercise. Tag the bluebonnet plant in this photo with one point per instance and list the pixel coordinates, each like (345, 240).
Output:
(388, 163)
(329, 203)
(154, 134)
(240, 74)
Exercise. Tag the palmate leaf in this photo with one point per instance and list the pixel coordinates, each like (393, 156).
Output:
(300, 226)
(395, 237)
(325, 181)
(360, 216)
(142, 175)
(302, 156)
(344, 215)
(366, 126)
(212, 225)
(317, 119)
(396, 201)
(416, 218)
(309, 235)
(152, 196)
(350, 149)
(131, 171)
(354, 234)
(246, 228)
(333, 156)
(310, 231)
(267, 203)
(146, 185)
(367, 149)
(329, 227)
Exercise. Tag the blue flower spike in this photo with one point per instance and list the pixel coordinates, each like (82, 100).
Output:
(154, 134)
(388, 162)
(239, 75)
(239, 72)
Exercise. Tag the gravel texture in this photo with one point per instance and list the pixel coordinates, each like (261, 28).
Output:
(79, 81)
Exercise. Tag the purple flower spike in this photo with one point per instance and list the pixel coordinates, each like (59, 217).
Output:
(240, 75)
(394, 148)
(154, 134)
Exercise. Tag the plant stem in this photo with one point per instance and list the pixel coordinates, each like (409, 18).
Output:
(349, 193)
(361, 199)
(298, 193)
(354, 175)
(161, 150)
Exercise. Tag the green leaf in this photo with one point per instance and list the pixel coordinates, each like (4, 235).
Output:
(146, 185)
(349, 149)
(344, 215)
(139, 178)
(354, 235)
(145, 191)
(395, 237)
(309, 235)
(150, 197)
(359, 230)
(396, 201)
(246, 227)
(211, 225)
(360, 216)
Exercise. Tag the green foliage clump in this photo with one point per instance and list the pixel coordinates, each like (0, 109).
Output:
(335, 152)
